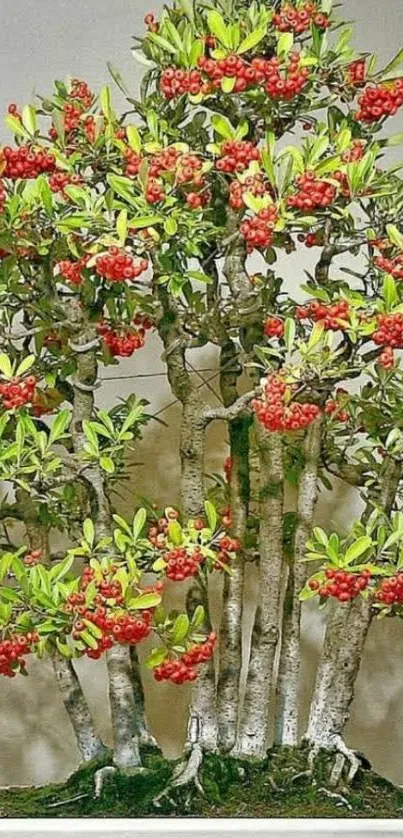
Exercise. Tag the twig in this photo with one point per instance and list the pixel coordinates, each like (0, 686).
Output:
(65, 802)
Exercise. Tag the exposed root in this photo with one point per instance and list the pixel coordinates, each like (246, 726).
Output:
(185, 774)
(343, 754)
(102, 778)
(313, 753)
(147, 740)
(342, 801)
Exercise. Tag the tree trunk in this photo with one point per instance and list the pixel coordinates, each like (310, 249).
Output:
(88, 741)
(146, 739)
(126, 747)
(343, 646)
(125, 740)
(253, 730)
(286, 730)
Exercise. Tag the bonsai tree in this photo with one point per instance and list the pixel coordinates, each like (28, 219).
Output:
(257, 132)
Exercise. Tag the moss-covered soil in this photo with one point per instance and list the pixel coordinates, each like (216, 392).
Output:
(232, 790)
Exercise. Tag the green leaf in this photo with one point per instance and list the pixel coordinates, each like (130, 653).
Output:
(133, 138)
(180, 629)
(175, 533)
(218, 28)
(228, 84)
(156, 657)
(5, 366)
(320, 536)
(198, 617)
(25, 365)
(63, 648)
(145, 601)
(61, 569)
(253, 39)
(105, 102)
(161, 42)
(121, 226)
(289, 333)
(10, 595)
(145, 221)
(89, 531)
(357, 549)
(159, 565)
(123, 186)
(107, 465)
(171, 226)
(88, 639)
(222, 126)
(14, 125)
(390, 292)
(211, 515)
(138, 523)
(395, 236)
(396, 62)
(285, 44)
(59, 426)
(29, 119)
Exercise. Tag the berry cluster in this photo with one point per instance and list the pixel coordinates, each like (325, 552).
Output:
(123, 342)
(313, 193)
(59, 180)
(258, 231)
(287, 84)
(391, 590)
(342, 585)
(80, 99)
(236, 156)
(394, 266)
(353, 154)
(13, 651)
(155, 191)
(133, 162)
(255, 184)
(151, 22)
(182, 563)
(26, 162)
(17, 392)
(182, 669)
(175, 82)
(233, 66)
(336, 408)
(389, 331)
(387, 358)
(380, 100)
(72, 271)
(356, 73)
(333, 316)
(275, 414)
(118, 266)
(273, 327)
(164, 161)
(290, 19)
(226, 546)
(310, 240)
(33, 557)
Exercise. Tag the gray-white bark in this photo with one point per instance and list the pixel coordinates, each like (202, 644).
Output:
(253, 729)
(287, 691)
(89, 743)
(125, 740)
(126, 747)
(346, 631)
(145, 737)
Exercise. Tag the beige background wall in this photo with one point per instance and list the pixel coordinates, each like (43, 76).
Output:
(40, 41)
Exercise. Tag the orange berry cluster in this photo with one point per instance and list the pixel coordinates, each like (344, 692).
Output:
(336, 408)
(356, 73)
(380, 100)
(121, 342)
(333, 316)
(175, 82)
(182, 563)
(275, 414)
(118, 266)
(236, 156)
(72, 271)
(394, 266)
(389, 331)
(255, 184)
(26, 162)
(342, 585)
(391, 590)
(33, 557)
(313, 193)
(387, 358)
(59, 180)
(290, 19)
(13, 651)
(258, 231)
(182, 669)
(18, 392)
(273, 327)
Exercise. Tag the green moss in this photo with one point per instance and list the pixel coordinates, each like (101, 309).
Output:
(233, 789)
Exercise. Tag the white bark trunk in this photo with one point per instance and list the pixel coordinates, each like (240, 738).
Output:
(343, 646)
(286, 730)
(230, 633)
(253, 729)
(146, 739)
(126, 748)
(88, 741)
